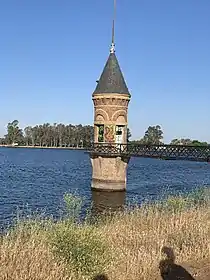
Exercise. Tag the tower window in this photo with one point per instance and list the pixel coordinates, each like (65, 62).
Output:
(119, 130)
(100, 133)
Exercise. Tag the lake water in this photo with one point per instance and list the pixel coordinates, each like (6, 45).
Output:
(37, 179)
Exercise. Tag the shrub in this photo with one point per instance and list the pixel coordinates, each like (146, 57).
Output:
(73, 206)
(82, 247)
(200, 197)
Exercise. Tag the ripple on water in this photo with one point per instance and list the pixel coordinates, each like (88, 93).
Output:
(40, 177)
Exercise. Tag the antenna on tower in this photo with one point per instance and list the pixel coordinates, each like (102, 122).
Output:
(112, 49)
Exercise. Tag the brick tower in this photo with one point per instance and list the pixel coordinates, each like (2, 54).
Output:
(111, 98)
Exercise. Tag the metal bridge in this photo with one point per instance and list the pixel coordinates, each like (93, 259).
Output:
(167, 152)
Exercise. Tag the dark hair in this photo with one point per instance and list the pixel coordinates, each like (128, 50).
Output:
(100, 277)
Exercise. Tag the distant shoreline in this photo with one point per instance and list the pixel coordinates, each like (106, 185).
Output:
(43, 147)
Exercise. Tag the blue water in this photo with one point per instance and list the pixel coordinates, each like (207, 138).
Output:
(37, 179)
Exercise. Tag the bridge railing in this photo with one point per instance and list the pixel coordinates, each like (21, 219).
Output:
(165, 151)
(108, 148)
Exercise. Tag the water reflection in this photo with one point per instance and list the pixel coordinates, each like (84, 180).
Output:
(107, 202)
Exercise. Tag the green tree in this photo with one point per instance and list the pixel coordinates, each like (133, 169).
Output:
(3, 141)
(198, 143)
(187, 142)
(28, 134)
(14, 133)
(183, 141)
(175, 142)
(153, 136)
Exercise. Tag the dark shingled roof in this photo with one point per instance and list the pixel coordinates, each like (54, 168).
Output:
(111, 80)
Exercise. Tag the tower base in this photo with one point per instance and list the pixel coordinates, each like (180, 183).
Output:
(109, 173)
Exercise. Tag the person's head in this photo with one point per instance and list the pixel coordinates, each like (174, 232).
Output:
(169, 253)
(100, 277)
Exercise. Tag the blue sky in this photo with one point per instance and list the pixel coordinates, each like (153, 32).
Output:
(53, 51)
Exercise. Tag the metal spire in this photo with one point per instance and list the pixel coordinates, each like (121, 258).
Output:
(112, 49)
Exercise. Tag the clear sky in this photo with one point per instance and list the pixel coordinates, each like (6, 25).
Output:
(53, 51)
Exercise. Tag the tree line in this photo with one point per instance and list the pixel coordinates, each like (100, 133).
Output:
(154, 135)
(60, 135)
(47, 135)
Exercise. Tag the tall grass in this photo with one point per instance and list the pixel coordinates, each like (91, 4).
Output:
(126, 246)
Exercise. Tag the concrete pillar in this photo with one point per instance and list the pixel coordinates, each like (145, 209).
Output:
(109, 173)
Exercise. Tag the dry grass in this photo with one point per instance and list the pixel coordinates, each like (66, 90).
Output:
(26, 256)
(139, 237)
(135, 240)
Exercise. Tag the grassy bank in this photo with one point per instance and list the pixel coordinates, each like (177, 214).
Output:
(126, 246)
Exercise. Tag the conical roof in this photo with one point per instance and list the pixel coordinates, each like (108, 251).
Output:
(111, 80)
